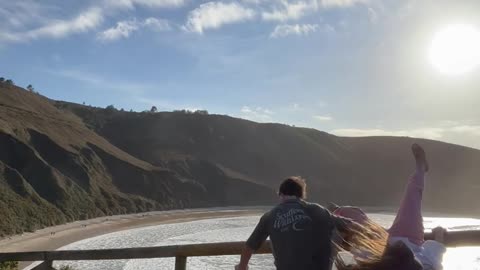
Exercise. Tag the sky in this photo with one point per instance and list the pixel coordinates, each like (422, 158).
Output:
(347, 67)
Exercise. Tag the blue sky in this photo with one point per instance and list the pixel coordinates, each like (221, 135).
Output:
(348, 67)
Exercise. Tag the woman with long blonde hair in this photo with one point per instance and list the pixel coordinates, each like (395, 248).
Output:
(402, 247)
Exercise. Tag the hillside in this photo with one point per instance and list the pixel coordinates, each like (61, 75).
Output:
(62, 161)
(362, 171)
(54, 169)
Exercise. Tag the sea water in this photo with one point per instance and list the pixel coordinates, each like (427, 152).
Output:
(234, 229)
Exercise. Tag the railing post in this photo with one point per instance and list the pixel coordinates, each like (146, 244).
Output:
(180, 263)
(46, 265)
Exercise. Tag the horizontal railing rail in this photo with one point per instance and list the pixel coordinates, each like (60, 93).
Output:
(181, 252)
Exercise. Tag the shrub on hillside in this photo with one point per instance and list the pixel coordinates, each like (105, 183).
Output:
(8, 265)
(110, 109)
(202, 112)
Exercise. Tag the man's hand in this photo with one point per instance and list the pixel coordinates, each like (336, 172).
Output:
(244, 259)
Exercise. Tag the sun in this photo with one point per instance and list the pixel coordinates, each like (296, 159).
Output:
(456, 49)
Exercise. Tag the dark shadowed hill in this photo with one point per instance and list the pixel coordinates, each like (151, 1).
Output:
(362, 171)
(53, 168)
(61, 161)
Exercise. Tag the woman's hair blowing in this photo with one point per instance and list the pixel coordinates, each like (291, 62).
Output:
(372, 252)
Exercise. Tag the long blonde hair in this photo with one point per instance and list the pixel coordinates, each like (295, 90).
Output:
(370, 241)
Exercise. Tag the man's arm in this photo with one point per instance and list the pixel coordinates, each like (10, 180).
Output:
(245, 258)
(254, 242)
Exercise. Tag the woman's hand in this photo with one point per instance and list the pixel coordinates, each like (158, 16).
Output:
(439, 234)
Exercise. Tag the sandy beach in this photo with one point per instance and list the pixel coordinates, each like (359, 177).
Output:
(52, 238)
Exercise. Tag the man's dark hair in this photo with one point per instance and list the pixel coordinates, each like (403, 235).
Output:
(293, 186)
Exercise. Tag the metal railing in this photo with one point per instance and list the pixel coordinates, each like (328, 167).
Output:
(182, 252)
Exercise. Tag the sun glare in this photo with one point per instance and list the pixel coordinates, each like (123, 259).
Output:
(456, 49)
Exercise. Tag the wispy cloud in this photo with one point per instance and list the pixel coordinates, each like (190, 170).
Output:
(85, 21)
(157, 24)
(258, 114)
(18, 14)
(295, 107)
(455, 132)
(213, 15)
(323, 118)
(27, 20)
(123, 29)
(102, 83)
(256, 2)
(130, 4)
(429, 133)
(288, 11)
(472, 130)
(284, 10)
(163, 104)
(297, 29)
(341, 3)
(372, 15)
(22, 21)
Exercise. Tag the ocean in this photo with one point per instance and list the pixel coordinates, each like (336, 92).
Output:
(234, 229)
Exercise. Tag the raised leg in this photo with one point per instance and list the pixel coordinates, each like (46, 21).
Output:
(409, 221)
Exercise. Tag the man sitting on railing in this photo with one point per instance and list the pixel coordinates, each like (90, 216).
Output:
(300, 231)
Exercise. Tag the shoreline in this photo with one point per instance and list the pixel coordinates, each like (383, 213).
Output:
(52, 238)
(55, 237)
